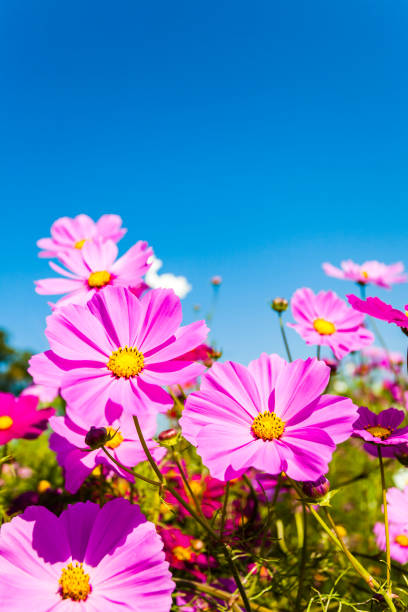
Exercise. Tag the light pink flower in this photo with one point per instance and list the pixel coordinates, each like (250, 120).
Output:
(397, 502)
(119, 348)
(373, 272)
(45, 394)
(68, 234)
(94, 267)
(19, 417)
(325, 319)
(398, 540)
(270, 416)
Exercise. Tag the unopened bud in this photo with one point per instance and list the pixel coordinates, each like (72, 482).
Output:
(279, 304)
(197, 545)
(316, 489)
(216, 281)
(96, 437)
(169, 437)
(401, 453)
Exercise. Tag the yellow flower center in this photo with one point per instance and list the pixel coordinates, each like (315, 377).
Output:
(126, 362)
(402, 540)
(74, 583)
(182, 554)
(268, 426)
(116, 438)
(196, 487)
(379, 432)
(5, 422)
(323, 327)
(364, 274)
(80, 244)
(99, 279)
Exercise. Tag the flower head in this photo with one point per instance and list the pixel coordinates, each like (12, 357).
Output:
(118, 348)
(271, 416)
(93, 268)
(325, 319)
(19, 417)
(381, 429)
(375, 307)
(68, 234)
(398, 540)
(373, 272)
(88, 557)
(121, 441)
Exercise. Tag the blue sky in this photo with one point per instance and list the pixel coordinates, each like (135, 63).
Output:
(252, 140)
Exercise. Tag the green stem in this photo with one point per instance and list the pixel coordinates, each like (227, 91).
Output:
(146, 450)
(224, 508)
(132, 472)
(318, 352)
(302, 562)
(387, 530)
(219, 593)
(285, 342)
(186, 484)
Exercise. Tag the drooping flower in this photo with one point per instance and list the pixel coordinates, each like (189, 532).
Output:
(325, 319)
(179, 284)
(381, 429)
(68, 233)
(271, 416)
(119, 348)
(19, 417)
(398, 540)
(373, 272)
(93, 268)
(375, 307)
(68, 442)
(89, 558)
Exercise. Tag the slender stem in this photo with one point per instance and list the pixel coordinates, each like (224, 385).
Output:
(219, 593)
(132, 472)
(387, 530)
(224, 508)
(302, 562)
(318, 351)
(175, 399)
(244, 597)
(285, 341)
(186, 484)
(146, 450)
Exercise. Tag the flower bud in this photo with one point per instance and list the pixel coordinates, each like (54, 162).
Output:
(316, 489)
(216, 281)
(401, 453)
(279, 304)
(169, 437)
(96, 437)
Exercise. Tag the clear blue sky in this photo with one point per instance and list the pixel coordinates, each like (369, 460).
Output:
(248, 139)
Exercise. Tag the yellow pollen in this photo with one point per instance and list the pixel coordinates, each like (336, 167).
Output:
(5, 422)
(379, 432)
(99, 279)
(80, 244)
(364, 274)
(74, 583)
(182, 554)
(402, 540)
(116, 438)
(196, 488)
(268, 426)
(323, 327)
(126, 362)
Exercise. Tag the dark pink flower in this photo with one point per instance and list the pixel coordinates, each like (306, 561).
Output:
(19, 417)
(375, 307)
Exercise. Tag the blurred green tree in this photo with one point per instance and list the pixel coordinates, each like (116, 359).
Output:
(13, 366)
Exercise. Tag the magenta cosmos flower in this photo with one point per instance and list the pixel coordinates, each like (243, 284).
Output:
(373, 272)
(325, 319)
(73, 455)
(95, 267)
(381, 429)
(89, 558)
(375, 307)
(68, 234)
(398, 540)
(118, 348)
(19, 417)
(271, 416)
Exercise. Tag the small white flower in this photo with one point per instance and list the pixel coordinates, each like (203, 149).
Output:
(179, 284)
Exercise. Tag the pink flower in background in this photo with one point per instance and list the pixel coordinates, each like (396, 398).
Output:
(381, 358)
(184, 552)
(373, 272)
(325, 319)
(375, 307)
(68, 234)
(271, 416)
(397, 502)
(207, 490)
(68, 442)
(19, 417)
(381, 429)
(94, 267)
(398, 540)
(88, 558)
(45, 394)
(119, 348)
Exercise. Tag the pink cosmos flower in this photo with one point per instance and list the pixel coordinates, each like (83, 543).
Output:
(325, 319)
(397, 502)
(380, 358)
(208, 491)
(45, 394)
(184, 552)
(398, 540)
(88, 558)
(94, 267)
(19, 417)
(373, 272)
(68, 234)
(381, 429)
(118, 348)
(375, 307)
(68, 442)
(271, 416)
